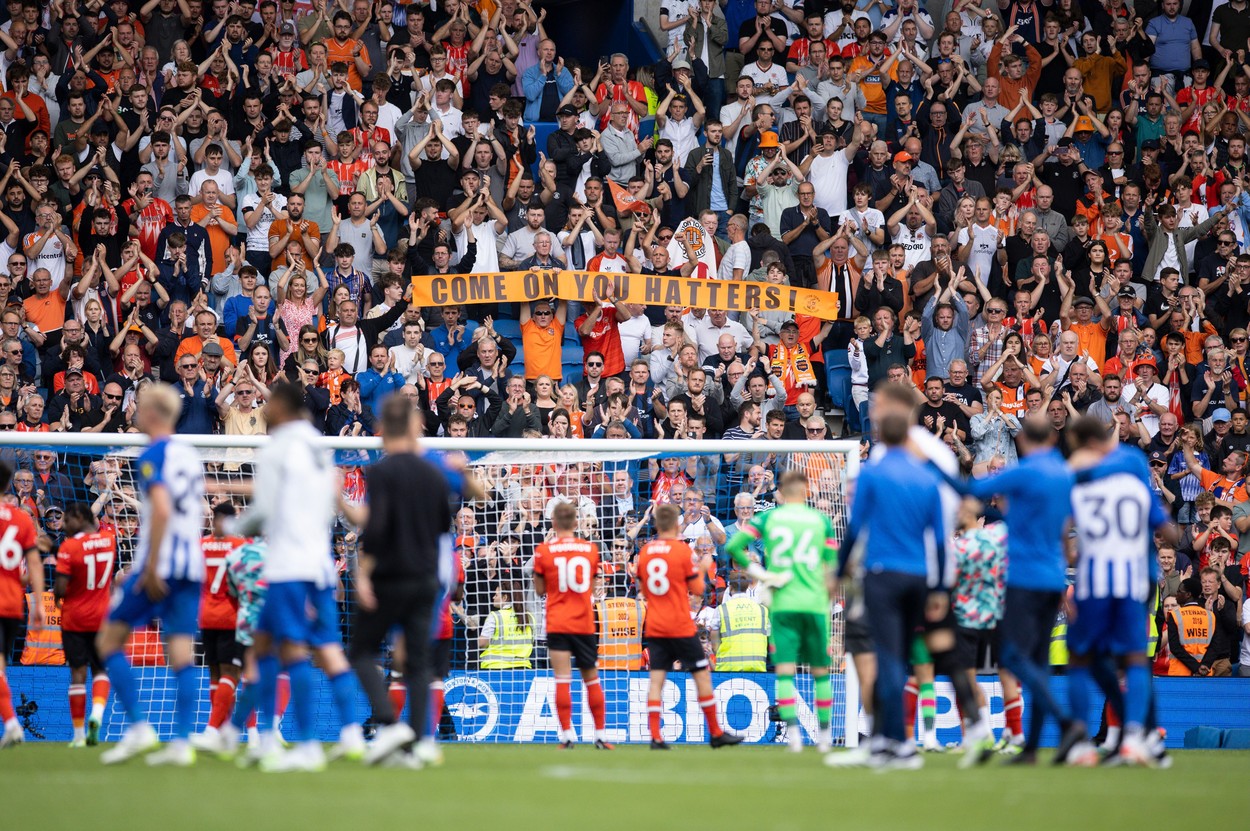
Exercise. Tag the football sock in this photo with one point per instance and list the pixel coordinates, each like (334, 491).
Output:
(267, 693)
(824, 700)
(284, 696)
(78, 707)
(436, 707)
(928, 707)
(212, 696)
(185, 691)
(564, 704)
(302, 698)
(398, 694)
(99, 695)
(1105, 676)
(343, 686)
(653, 718)
(786, 698)
(1078, 692)
(1136, 698)
(909, 708)
(123, 678)
(245, 706)
(223, 702)
(1013, 711)
(708, 706)
(598, 707)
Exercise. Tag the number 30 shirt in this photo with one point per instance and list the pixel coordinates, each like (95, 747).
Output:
(665, 569)
(88, 560)
(568, 565)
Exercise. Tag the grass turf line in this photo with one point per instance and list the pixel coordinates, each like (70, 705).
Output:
(521, 787)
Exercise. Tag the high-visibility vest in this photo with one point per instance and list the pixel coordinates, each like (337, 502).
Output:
(43, 647)
(1059, 644)
(1196, 626)
(620, 633)
(512, 644)
(1152, 645)
(743, 636)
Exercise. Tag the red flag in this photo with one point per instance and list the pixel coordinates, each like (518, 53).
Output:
(625, 201)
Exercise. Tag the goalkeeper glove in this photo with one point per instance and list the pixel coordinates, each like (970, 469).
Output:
(768, 579)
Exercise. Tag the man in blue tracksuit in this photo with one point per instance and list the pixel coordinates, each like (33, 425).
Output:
(1039, 506)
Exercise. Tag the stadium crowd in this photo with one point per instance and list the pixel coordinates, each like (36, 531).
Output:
(1027, 208)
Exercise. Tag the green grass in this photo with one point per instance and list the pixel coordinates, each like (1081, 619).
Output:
(519, 787)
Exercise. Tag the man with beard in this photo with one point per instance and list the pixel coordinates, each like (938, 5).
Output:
(937, 414)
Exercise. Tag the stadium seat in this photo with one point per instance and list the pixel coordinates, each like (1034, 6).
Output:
(572, 372)
(570, 334)
(510, 329)
(517, 368)
(572, 355)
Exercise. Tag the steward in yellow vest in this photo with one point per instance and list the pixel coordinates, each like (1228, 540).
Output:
(742, 640)
(507, 639)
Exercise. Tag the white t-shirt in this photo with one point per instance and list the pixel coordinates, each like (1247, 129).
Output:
(1195, 214)
(776, 75)
(683, 134)
(406, 363)
(916, 243)
(633, 332)
(1158, 394)
(828, 176)
(984, 246)
(224, 180)
(258, 237)
(361, 239)
(738, 256)
(869, 220)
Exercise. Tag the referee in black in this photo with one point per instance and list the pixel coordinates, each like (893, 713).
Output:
(397, 576)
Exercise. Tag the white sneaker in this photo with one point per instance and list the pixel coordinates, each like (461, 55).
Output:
(931, 743)
(857, 757)
(794, 738)
(387, 741)
(137, 740)
(1084, 755)
(178, 754)
(402, 759)
(209, 741)
(912, 761)
(824, 740)
(1134, 751)
(307, 757)
(13, 733)
(229, 741)
(78, 742)
(257, 752)
(429, 752)
(351, 744)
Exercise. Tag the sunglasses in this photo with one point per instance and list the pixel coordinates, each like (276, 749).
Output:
(112, 397)
(664, 237)
(815, 430)
(996, 311)
(309, 340)
(1236, 340)
(543, 312)
(432, 363)
(309, 371)
(188, 366)
(8, 426)
(595, 365)
(1115, 152)
(1226, 242)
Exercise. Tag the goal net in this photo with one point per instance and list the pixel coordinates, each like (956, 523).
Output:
(495, 692)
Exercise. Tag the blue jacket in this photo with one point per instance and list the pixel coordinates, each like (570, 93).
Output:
(898, 504)
(199, 409)
(374, 387)
(532, 82)
(436, 339)
(1039, 503)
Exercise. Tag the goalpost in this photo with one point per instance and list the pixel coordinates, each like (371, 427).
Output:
(611, 482)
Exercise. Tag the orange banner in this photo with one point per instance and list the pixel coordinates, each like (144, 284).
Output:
(645, 289)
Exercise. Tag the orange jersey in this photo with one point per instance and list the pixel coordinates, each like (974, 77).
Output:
(88, 560)
(218, 610)
(568, 565)
(445, 623)
(17, 537)
(665, 571)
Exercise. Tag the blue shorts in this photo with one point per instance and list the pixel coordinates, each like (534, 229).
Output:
(300, 612)
(178, 612)
(1108, 626)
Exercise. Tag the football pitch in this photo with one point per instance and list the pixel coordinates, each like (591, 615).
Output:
(518, 787)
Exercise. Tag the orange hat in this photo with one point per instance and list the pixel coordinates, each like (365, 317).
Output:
(903, 156)
(1083, 124)
(768, 139)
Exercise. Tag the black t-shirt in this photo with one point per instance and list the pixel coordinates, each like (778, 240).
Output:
(436, 180)
(403, 542)
(1068, 183)
(967, 394)
(948, 410)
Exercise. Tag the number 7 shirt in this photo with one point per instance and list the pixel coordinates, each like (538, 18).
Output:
(218, 609)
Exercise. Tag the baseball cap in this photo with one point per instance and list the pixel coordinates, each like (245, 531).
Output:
(1201, 63)
(1221, 414)
(1150, 144)
(566, 110)
(287, 28)
(54, 509)
(70, 372)
(1066, 141)
(212, 349)
(903, 156)
(789, 324)
(100, 128)
(1158, 456)
(1083, 124)
(681, 63)
(1083, 301)
(1127, 292)
(768, 139)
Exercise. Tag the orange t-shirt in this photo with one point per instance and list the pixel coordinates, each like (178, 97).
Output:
(278, 230)
(1221, 487)
(334, 383)
(88, 560)
(1013, 398)
(543, 347)
(218, 239)
(218, 610)
(1093, 340)
(47, 312)
(19, 536)
(336, 51)
(193, 346)
(568, 565)
(666, 576)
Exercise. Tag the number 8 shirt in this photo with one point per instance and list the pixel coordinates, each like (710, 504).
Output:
(569, 565)
(664, 569)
